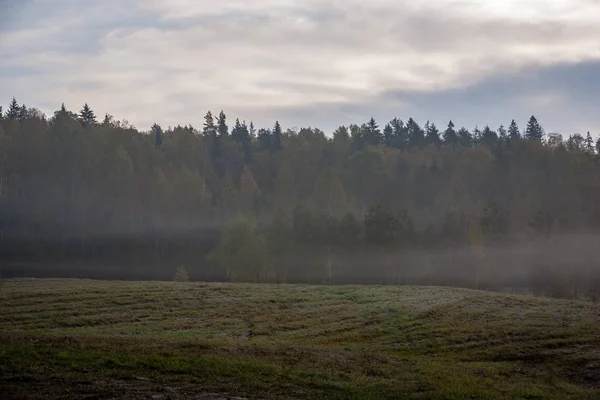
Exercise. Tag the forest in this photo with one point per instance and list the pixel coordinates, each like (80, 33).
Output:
(398, 203)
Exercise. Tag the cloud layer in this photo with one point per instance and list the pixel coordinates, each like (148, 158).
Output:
(304, 62)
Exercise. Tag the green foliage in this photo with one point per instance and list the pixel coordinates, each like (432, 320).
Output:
(87, 116)
(241, 251)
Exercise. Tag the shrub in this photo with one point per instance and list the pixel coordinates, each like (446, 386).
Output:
(181, 275)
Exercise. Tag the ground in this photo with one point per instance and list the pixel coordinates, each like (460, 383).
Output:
(138, 340)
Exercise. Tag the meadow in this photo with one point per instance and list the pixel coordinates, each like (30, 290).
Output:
(160, 340)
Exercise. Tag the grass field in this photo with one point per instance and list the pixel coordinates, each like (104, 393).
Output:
(91, 339)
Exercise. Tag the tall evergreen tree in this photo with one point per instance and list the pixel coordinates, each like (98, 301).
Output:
(13, 110)
(372, 135)
(388, 135)
(489, 138)
(432, 134)
(252, 130)
(158, 135)
(23, 113)
(465, 138)
(209, 128)
(87, 116)
(534, 130)
(513, 131)
(222, 128)
(1, 113)
(277, 137)
(589, 144)
(416, 135)
(450, 135)
(399, 136)
(502, 134)
(598, 146)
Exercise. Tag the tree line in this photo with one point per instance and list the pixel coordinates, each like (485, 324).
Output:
(399, 204)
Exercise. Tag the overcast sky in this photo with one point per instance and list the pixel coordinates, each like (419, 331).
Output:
(308, 62)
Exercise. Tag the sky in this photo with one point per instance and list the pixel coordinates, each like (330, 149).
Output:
(306, 63)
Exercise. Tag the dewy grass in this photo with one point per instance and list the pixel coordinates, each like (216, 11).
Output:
(77, 338)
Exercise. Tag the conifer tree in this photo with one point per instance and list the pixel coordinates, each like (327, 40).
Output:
(1, 113)
(277, 137)
(589, 144)
(534, 130)
(450, 136)
(209, 128)
(13, 110)
(432, 134)
(416, 136)
(502, 134)
(489, 138)
(513, 131)
(222, 128)
(388, 135)
(158, 135)
(23, 113)
(372, 134)
(87, 116)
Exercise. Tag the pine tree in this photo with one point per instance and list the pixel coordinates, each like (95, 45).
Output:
(388, 135)
(534, 130)
(416, 135)
(13, 110)
(399, 137)
(465, 138)
(598, 146)
(432, 134)
(513, 131)
(209, 128)
(489, 138)
(372, 134)
(23, 113)
(87, 116)
(589, 144)
(158, 135)
(1, 113)
(222, 128)
(252, 130)
(503, 134)
(450, 136)
(277, 137)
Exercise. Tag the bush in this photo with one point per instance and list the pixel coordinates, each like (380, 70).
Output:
(181, 275)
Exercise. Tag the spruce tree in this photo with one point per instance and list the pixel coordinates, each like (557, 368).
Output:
(209, 128)
(502, 134)
(388, 135)
(416, 135)
(489, 138)
(252, 130)
(86, 115)
(513, 131)
(1, 113)
(598, 146)
(465, 138)
(157, 131)
(534, 130)
(13, 110)
(222, 128)
(450, 136)
(589, 143)
(372, 135)
(23, 113)
(399, 137)
(277, 137)
(432, 134)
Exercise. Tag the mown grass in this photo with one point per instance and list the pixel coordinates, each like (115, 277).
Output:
(75, 338)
